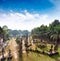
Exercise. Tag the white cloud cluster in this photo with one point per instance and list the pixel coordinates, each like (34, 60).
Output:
(23, 21)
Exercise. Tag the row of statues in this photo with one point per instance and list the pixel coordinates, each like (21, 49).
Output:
(25, 43)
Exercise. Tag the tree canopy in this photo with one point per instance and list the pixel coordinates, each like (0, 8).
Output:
(47, 32)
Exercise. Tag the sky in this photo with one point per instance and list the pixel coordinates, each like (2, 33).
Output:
(28, 14)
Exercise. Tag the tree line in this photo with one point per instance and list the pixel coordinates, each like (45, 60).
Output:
(49, 33)
(4, 33)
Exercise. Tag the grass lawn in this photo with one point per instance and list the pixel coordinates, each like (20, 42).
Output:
(36, 57)
(32, 56)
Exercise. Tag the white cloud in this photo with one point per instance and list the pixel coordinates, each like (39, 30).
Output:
(24, 20)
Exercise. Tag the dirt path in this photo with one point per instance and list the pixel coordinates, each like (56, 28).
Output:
(13, 47)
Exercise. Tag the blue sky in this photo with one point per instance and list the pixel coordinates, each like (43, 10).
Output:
(18, 5)
(27, 14)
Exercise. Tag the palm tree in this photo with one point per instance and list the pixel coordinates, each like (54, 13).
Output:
(55, 38)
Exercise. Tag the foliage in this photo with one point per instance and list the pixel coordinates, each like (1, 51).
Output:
(18, 39)
(4, 33)
(49, 33)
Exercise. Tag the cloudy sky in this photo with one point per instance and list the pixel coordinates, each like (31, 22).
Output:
(27, 14)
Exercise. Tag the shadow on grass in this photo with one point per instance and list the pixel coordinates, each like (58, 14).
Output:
(56, 57)
(20, 56)
(9, 58)
(3, 59)
(38, 52)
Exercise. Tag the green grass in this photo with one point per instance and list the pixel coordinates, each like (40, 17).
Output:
(36, 57)
(32, 56)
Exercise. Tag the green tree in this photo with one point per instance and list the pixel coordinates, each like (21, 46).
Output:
(18, 40)
(48, 33)
(1, 32)
(5, 32)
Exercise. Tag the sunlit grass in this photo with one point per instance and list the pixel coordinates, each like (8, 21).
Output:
(32, 56)
(36, 57)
